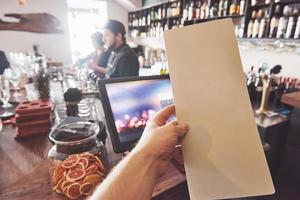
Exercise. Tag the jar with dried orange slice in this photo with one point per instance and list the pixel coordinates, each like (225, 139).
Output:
(77, 161)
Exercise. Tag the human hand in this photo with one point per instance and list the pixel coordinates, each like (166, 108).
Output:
(92, 65)
(160, 138)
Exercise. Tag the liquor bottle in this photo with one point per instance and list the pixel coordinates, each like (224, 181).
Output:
(185, 13)
(197, 16)
(148, 18)
(292, 24)
(220, 9)
(232, 9)
(297, 29)
(225, 7)
(130, 20)
(191, 11)
(283, 21)
(250, 24)
(174, 6)
(207, 8)
(237, 10)
(242, 7)
(166, 27)
(256, 24)
(274, 22)
(258, 87)
(253, 2)
(159, 13)
(178, 9)
(214, 10)
(263, 24)
(163, 11)
(202, 11)
(169, 11)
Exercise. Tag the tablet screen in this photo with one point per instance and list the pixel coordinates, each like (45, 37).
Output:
(133, 103)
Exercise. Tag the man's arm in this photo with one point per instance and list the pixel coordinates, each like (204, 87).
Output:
(135, 176)
(95, 67)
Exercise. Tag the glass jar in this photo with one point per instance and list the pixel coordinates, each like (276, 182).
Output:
(78, 160)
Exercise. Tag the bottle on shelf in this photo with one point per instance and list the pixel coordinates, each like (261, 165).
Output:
(207, 8)
(169, 11)
(198, 7)
(177, 10)
(225, 7)
(263, 24)
(220, 9)
(237, 10)
(185, 13)
(232, 8)
(274, 22)
(202, 11)
(283, 22)
(213, 11)
(253, 2)
(291, 27)
(242, 7)
(250, 24)
(297, 29)
(166, 27)
(191, 11)
(256, 24)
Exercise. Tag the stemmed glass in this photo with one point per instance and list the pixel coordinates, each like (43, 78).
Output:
(5, 96)
(14, 75)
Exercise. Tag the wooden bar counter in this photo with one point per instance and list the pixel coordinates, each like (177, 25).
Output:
(24, 169)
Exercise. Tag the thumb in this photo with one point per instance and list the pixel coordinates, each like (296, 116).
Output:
(178, 129)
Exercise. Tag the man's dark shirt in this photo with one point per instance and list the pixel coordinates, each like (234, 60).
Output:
(3, 62)
(123, 62)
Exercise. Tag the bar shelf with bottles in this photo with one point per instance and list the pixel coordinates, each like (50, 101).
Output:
(257, 19)
(273, 20)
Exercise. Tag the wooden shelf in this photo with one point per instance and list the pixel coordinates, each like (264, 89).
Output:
(166, 18)
(158, 42)
(269, 40)
(196, 21)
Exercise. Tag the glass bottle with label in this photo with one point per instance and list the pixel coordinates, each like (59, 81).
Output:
(274, 22)
(283, 21)
(242, 7)
(297, 29)
(250, 24)
(263, 24)
(256, 24)
(220, 10)
(292, 24)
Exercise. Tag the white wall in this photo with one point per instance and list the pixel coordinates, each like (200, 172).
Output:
(290, 61)
(117, 12)
(55, 46)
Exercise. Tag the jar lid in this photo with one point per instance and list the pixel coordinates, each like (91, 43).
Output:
(74, 133)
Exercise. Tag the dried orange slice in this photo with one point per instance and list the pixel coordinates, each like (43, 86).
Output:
(93, 178)
(73, 191)
(57, 188)
(78, 166)
(100, 173)
(86, 188)
(75, 175)
(99, 164)
(65, 184)
(58, 173)
(71, 161)
(84, 161)
(91, 169)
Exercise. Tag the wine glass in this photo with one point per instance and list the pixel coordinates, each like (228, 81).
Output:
(5, 96)
(14, 75)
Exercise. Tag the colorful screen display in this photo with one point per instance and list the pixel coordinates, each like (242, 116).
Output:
(133, 103)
